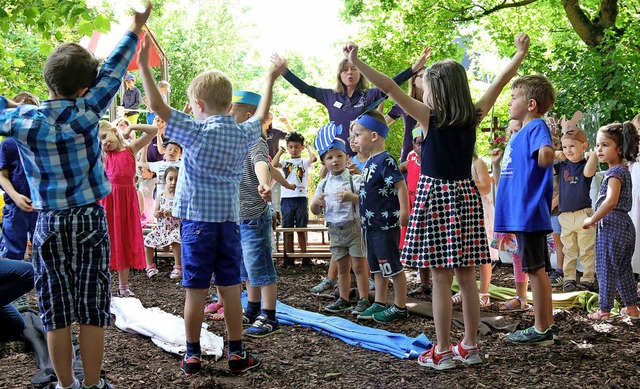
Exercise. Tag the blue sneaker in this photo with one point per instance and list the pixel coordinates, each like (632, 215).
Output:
(191, 365)
(262, 327)
(532, 336)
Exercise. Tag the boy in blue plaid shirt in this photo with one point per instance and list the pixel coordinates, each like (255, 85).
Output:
(207, 199)
(63, 163)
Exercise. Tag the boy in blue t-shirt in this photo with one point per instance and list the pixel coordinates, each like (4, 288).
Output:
(384, 207)
(574, 183)
(523, 201)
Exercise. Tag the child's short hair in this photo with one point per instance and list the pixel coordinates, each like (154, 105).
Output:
(172, 142)
(164, 84)
(26, 98)
(213, 88)
(122, 119)
(169, 170)
(538, 88)
(69, 68)
(626, 137)
(294, 136)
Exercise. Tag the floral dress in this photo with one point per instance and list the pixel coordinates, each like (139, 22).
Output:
(167, 230)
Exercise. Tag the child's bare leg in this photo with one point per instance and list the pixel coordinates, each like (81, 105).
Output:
(485, 278)
(541, 291)
(360, 268)
(424, 277)
(232, 310)
(91, 352)
(149, 251)
(466, 277)
(123, 277)
(141, 202)
(193, 313)
(60, 352)
(269, 295)
(382, 286)
(302, 240)
(288, 242)
(332, 273)
(442, 305)
(344, 276)
(400, 289)
(559, 251)
(177, 256)
(521, 289)
(254, 293)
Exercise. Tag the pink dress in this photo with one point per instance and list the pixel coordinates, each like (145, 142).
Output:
(123, 212)
(413, 174)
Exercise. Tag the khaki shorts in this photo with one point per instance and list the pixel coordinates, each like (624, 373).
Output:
(346, 239)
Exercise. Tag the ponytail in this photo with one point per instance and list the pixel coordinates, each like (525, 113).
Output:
(626, 137)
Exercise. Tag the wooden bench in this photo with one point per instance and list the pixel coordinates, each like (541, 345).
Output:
(314, 249)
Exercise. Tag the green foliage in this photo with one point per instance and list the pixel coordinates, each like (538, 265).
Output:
(30, 31)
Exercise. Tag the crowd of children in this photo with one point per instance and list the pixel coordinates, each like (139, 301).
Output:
(204, 186)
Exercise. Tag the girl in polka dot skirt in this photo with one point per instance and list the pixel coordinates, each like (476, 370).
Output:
(446, 229)
(616, 144)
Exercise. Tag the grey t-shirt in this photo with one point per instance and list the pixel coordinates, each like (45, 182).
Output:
(251, 204)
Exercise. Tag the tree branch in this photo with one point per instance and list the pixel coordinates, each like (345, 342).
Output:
(489, 11)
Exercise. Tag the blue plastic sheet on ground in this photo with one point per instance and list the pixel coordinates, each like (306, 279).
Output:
(398, 345)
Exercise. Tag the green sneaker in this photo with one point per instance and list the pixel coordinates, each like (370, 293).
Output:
(368, 313)
(338, 306)
(532, 336)
(390, 314)
(361, 306)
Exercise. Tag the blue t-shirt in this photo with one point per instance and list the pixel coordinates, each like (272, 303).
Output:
(10, 160)
(573, 186)
(379, 204)
(359, 165)
(525, 190)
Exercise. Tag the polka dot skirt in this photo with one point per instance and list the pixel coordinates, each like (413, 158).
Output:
(446, 227)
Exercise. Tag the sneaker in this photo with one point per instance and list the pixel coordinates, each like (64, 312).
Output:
(191, 365)
(247, 321)
(324, 286)
(152, 271)
(338, 306)
(556, 278)
(241, 362)
(372, 284)
(368, 313)
(390, 314)
(586, 285)
(361, 306)
(569, 286)
(307, 262)
(103, 382)
(175, 273)
(436, 360)
(262, 327)
(532, 336)
(554, 330)
(469, 356)
(21, 304)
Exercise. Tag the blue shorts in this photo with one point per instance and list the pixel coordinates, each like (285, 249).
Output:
(208, 249)
(71, 263)
(382, 251)
(295, 212)
(555, 225)
(533, 251)
(257, 262)
(16, 224)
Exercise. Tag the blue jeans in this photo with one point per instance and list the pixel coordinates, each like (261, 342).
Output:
(255, 235)
(16, 279)
(16, 224)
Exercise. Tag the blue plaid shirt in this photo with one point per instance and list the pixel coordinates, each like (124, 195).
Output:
(214, 151)
(59, 142)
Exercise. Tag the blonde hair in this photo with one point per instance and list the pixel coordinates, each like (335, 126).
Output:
(537, 87)
(107, 126)
(341, 88)
(213, 88)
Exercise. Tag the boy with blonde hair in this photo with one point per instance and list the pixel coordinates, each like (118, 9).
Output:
(207, 199)
(63, 163)
(523, 201)
(384, 207)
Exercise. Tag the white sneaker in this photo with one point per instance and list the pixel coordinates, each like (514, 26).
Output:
(175, 273)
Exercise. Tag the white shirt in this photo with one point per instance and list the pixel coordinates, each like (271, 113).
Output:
(338, 213)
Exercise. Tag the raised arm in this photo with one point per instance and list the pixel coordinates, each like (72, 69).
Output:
(591, 167)
(489, 98)
(276, 158)
(156, 102)
(312, 156)
(279, 67)
(148, 133)
(410, 105)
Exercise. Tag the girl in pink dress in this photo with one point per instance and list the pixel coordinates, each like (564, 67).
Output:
(121, 205)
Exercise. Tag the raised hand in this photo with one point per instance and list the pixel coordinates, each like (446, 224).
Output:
(279, 65)
(422, 59)
(522, 42)
(143, 53)
(496, 156)
(350, 51)
(140, 18)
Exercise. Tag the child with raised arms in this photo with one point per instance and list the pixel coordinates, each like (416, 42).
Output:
(616, 145)
(446, 231)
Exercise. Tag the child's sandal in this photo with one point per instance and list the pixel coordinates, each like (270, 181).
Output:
(152, 271)
(633, 314)
(124, 291)
(600, 315)
(456, 299)
(516, 304)
(484, 303)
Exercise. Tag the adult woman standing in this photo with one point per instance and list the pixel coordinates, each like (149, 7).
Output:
(351, 95)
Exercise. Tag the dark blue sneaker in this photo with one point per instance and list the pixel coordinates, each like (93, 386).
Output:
(262, 327)
(191, 365)
(241, 362)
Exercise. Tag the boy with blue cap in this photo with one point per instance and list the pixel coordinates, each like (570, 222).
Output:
(337, 198)
(131, 99)
(384, 207)
(206, 199)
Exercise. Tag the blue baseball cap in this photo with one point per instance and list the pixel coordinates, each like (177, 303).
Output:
(245, 97)
(129, 76)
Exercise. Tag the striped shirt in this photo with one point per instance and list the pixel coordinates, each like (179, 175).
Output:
(251, 204)
(214, 151)
(59, 142)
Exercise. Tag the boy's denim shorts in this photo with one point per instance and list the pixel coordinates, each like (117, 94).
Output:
(71, 263)
(257, 262)
(382, 251)
(210, 249)
(295, 212)
(533, 251)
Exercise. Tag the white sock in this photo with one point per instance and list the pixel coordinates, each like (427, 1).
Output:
(74, 385)
(100, 384)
